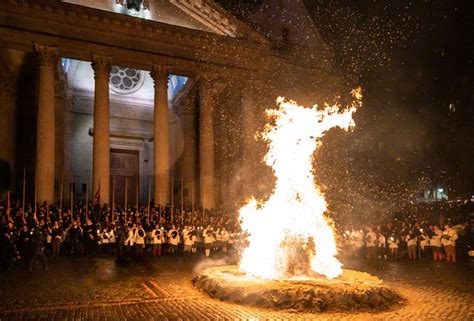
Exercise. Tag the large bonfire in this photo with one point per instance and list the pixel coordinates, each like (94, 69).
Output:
(288, 234)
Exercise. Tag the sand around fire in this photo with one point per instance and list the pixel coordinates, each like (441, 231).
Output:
(352, 290)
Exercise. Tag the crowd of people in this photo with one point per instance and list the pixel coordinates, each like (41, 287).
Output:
(31, 234)
(443, 233)
(411, 241)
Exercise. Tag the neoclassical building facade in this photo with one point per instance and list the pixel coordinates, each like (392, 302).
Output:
(157, 102)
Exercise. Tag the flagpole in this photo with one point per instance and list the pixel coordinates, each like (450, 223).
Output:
(172, 200)
(8, 206)
(61, 197)
(87, 200)
(47, 205)
(34, 215)
(137, 193)
(203, 211)
(125, 210)
(159, 213)
(192, 198)
(113, 199)
(149, 199)
(24, 189)
(71, 190)
(126, 192)
(182, 199)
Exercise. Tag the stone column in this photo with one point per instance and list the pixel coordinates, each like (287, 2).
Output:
(68, 144)
(60, 132)
(45, 130)
(101, 139)
(185, 108)
(189, 148)
(208, 93)
(7, 120)
(161, 148)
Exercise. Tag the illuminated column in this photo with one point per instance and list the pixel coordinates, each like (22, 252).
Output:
(189, 148)
(208, 93)
(45, 130)
(161, 148)
(101, 138)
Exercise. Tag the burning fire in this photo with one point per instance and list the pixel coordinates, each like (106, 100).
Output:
(288, 234)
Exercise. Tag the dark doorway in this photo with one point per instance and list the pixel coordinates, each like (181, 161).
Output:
(124, 176)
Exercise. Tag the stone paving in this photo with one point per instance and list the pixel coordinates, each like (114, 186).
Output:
(161, 289)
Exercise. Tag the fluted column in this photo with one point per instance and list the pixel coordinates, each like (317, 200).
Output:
(101, 145)
(7, 118)
(60, 155)
(208, 92)
(45, 130)
(161, 148)
(189, 150)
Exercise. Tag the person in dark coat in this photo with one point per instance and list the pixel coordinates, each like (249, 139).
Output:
(24, 245)
(90, 237)
(120, 239)
(7, 248)
(74, 236)
(38, 248)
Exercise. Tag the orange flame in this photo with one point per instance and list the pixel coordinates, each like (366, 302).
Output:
(291, 222)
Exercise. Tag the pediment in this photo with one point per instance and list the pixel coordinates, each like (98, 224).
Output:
(209, 15)
(203, 15)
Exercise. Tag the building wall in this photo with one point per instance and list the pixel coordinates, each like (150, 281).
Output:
(131, 125)
(131, 128)
(81, 152)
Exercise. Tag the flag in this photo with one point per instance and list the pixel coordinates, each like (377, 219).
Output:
(97, 196)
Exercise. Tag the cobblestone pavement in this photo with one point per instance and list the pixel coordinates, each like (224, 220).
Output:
(161, 289)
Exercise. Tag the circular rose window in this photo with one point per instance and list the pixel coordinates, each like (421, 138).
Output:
(126, 80)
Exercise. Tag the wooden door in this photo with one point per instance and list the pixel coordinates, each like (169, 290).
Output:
(124, 176)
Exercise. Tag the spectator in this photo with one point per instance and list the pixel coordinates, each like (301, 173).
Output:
(449, 238)
(435, 243)
(38, 248)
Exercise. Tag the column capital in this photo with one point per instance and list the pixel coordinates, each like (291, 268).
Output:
(101, 64)
(159, 73)
(48, 56)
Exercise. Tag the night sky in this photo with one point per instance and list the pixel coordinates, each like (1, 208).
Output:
(414, 60)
